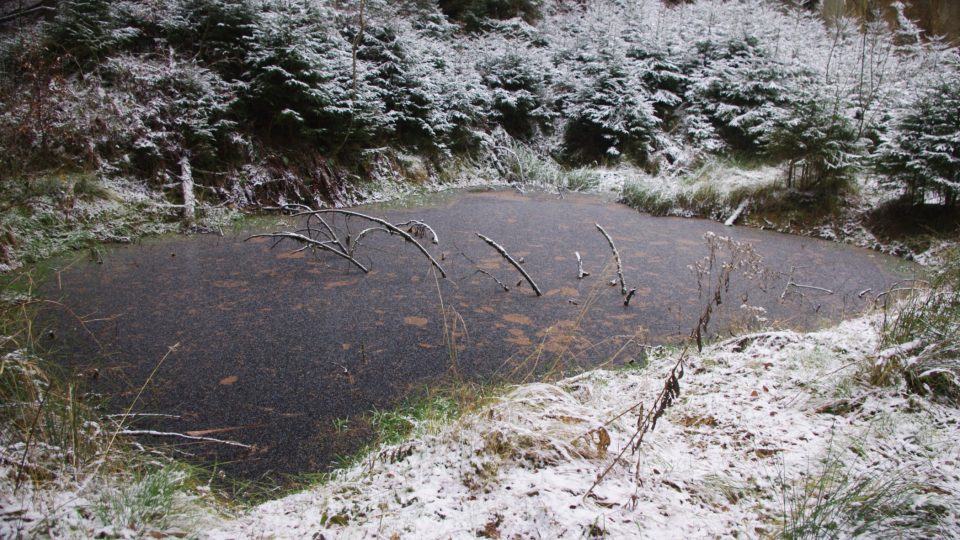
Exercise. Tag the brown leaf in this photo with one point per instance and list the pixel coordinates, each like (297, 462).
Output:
(767, 452)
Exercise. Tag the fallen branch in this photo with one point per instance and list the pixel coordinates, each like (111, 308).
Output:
(327, 229)
(152, 433)
(354, 243)
(142, 415)
(792, 283)
(801, 286)
(626, 301)
(894, 290)
(311, 242)
(493, 277)
(387, 225)
(580, 273)
(616, 254)
(290, 207)
(736, 213)
(419, 228)
(512, 261)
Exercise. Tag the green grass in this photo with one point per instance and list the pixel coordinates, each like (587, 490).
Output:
(528, 167)
(147, 502)
(836, 502)
(418, 416)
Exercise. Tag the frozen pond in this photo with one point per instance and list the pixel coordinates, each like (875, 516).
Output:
(275, 345)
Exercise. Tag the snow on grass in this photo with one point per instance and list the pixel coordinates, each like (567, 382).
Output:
(771, 432)
(713, 190)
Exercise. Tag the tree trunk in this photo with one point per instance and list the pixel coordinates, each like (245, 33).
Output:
(186, 185)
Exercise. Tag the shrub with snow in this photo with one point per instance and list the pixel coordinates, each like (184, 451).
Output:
(922, 152)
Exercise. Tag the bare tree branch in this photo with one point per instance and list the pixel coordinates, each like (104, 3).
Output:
(512, 261)
(616, 254)
(311, 242)
(493, 277)
(390, 227)
(791, 283)
(152, 433)
(419, 225)
(580, 273)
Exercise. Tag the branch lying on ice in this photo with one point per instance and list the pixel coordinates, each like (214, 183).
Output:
(327, 230)
(792, 283)
(142, 415)
(313, 243)
(354, 243)
(393, 229)
(152, 433)
(290, 207)
(616, 254)
(802, 286)
(511, 260)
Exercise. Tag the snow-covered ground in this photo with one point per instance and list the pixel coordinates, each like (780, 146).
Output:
(766, 425)
(770, 430)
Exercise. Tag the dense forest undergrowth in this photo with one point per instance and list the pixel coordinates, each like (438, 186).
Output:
(121, 119)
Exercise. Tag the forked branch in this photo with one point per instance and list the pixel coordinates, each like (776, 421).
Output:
(393, 229)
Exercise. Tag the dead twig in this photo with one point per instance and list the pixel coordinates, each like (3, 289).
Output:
(647, 422)
(580, 273)
(493, 277)
(511, 260)
(616, 254)
(393, 229)
(326, 246)
(327, 230)
(792, 283)
(153, 433)
(419, 229)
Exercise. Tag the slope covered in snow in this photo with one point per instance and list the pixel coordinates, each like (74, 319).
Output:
(772, 432)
